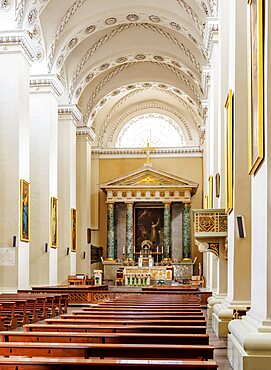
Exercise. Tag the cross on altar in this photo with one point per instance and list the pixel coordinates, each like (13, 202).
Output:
(148, 149)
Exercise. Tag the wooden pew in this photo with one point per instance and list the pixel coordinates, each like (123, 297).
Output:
(88, 350)
(126, 322)
(112, 364)
(116, 329)
(94, 310)
(72, 337)
(9, 314)
(133, 317)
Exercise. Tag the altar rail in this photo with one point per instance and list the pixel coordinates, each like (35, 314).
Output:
(84, 294)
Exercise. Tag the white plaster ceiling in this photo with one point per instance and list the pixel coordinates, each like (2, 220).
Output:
(119, 58)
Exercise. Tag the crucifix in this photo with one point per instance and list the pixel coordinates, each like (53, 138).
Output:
(148, 149)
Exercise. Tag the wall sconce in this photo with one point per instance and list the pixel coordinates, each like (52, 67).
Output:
(46, 247)
(14, 241)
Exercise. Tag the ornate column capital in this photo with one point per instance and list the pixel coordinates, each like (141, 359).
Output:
(46, 83)
(70, 112)
(18, 41)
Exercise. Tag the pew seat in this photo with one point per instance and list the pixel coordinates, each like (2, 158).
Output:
(105, 364)
(90, 350)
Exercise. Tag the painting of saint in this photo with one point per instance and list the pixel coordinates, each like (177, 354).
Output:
(24, 211)
(255, 84)
(73, 229)
(54, 222)
(148, 226)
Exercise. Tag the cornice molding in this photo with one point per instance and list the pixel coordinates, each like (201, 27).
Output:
(87, 132)
(193, 150)
(47, 81)
(11, 40)
(211, 31)
(71, 112)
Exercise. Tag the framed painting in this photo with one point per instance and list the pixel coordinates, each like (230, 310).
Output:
(255, 88)
(24, 211)
(73, 229)
(210, 195)
(54, 222)
(148, 226)
(217, 185)
(229, 153)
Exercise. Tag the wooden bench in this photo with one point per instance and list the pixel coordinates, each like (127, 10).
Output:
(88, 350)
(112, 364)
(133, 317)
(72, 337)
(116, 329)
(126, 322)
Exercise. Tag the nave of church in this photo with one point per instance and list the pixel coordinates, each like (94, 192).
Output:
(134, 141)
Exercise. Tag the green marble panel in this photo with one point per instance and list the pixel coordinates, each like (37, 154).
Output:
(186, 231)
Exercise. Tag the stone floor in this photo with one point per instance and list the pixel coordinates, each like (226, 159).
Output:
(220, 354)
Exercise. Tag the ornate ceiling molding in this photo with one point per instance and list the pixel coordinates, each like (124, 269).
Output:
(138, 57)
(90, 53)
(211, 29)
(64, 21)
(193, 15)
(140, 108)
(100, 86)
(118, 20)
(184, 99)
(5, 5)
(117, 31)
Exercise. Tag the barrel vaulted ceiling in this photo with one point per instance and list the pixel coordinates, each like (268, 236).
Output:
(119, 59)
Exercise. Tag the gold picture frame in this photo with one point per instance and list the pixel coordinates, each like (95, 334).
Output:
(54, 222)
(73, 230)
(210, 195)
(24, 211)
(229, 153)
(255, 87)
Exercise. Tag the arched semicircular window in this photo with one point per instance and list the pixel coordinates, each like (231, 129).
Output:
(156, 129)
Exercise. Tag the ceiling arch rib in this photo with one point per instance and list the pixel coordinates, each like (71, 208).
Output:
(118, 76)
(62, 51)
(190, 59)
(167, 94)
(137, 57)
(194, 115)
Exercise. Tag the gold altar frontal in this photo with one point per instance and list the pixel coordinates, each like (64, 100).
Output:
(155, 272)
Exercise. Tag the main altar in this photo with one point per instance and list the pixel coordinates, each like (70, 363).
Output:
(149, 226)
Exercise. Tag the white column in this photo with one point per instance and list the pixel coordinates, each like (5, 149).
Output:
(84, 138)
(14, 152)
(249, 342)
(239, 250)
(68, 118)
(44, 94)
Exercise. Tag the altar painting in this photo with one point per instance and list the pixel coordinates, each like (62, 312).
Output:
(149, 225)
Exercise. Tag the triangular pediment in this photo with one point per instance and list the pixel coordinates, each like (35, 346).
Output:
(148, 177)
